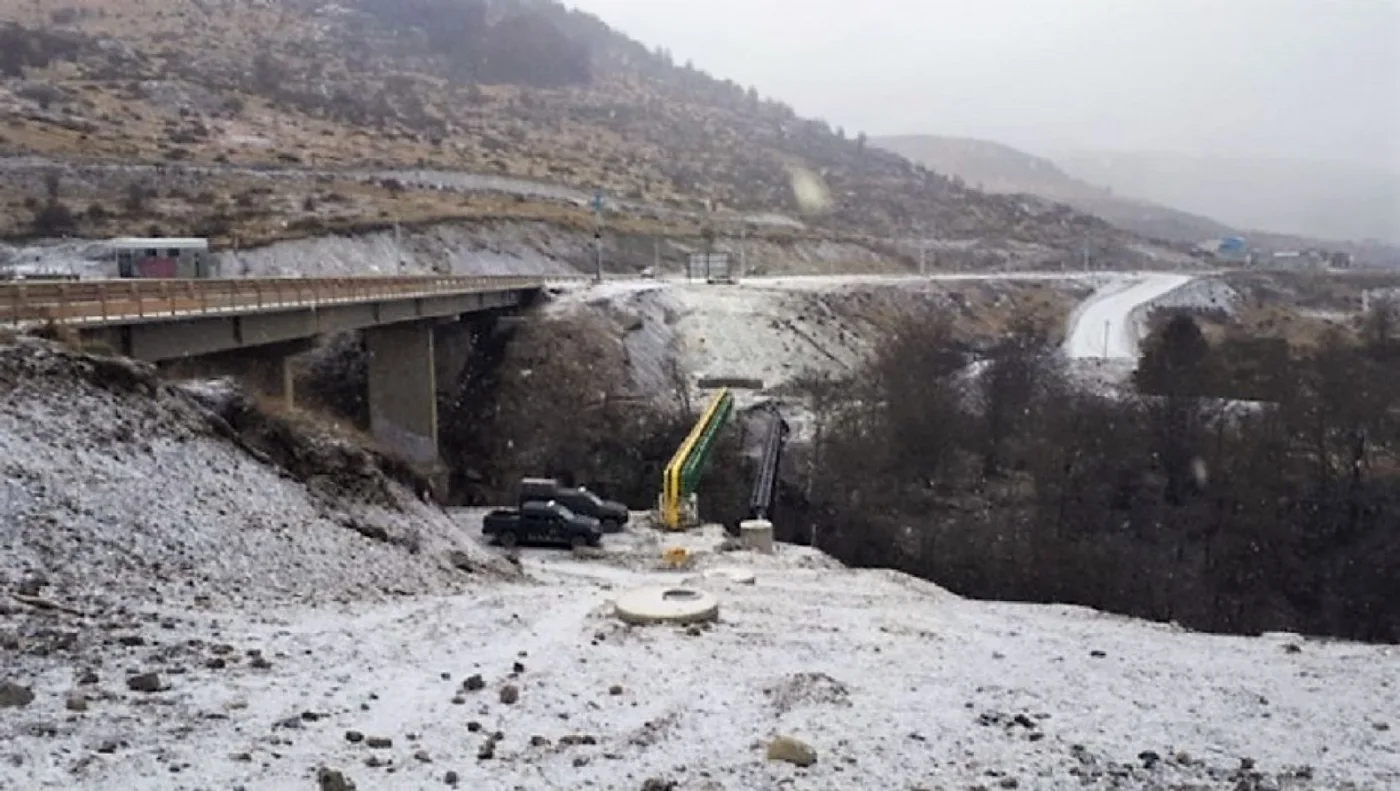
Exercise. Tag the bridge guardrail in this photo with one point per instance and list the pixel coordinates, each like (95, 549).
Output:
(100, 301)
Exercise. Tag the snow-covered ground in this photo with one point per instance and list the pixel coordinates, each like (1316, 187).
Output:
(895, 683)
(775, 329)
(285, 640)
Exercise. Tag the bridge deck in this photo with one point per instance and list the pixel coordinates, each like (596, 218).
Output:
(112, 302)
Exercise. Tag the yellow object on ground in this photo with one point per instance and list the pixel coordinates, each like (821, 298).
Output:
(676, 557)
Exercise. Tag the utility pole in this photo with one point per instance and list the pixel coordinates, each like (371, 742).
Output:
(598, 235)
(743, 249)
(398, 247)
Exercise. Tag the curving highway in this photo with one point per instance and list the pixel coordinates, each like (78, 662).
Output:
(1108, 325)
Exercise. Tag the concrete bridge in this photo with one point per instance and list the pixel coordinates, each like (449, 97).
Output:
(417, 330)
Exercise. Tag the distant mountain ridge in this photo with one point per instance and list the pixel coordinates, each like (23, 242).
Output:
(1321, 199)
(998, 168)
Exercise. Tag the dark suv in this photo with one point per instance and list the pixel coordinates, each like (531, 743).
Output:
(611, 514)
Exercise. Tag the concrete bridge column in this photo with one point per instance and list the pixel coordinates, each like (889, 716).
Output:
(403, 392)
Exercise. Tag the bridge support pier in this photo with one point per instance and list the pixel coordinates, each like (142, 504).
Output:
(403, 391)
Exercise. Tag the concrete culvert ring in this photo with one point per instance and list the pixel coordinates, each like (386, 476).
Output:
(666, 605)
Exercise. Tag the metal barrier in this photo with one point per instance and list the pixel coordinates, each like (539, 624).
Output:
(101, 301)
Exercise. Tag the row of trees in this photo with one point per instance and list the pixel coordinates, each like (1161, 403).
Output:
(1185, 503)
(523, 47)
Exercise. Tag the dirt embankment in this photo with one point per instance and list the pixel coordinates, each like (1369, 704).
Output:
(118, 485)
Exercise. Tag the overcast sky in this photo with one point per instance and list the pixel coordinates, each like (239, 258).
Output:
(1317, 79)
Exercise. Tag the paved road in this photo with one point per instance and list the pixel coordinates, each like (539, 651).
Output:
(1104, 327)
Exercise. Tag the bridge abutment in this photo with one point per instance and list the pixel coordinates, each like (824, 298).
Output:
(265, 370)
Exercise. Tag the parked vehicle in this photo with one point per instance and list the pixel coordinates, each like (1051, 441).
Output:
(611, 514)
(545, 522)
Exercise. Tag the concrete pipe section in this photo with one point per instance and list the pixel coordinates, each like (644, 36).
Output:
(740, 576)
(667, 604)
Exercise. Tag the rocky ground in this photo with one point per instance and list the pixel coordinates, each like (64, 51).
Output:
(864, 679)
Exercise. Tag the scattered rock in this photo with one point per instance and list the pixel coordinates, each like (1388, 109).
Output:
(615, 689)
(31, 586)
(517, 668)
(458, 700)
(259, 662)
(473, 726)
(333, 780)
(487, 751)
(1149, 758)
(474, 683)
(451, 778)
(1292, 648)
(422, 756)
(1097, 654)
(1381, 726)
(14, 696)
(510, 694)
(786, 748)
(1009, 782)
(580, 761)
(378, 742)
(354, 737)
(76, 702)
(659, 784)
(88, 678)
(538, 741)
(216, 663)
(145, 682)
(131, 640)
(576, 739)
(107, 747)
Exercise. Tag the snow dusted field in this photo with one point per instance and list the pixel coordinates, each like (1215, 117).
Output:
(895, 683)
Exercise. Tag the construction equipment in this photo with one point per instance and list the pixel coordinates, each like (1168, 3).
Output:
(682, 473)
(765, 483)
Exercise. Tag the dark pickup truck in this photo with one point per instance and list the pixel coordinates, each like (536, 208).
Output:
(541, 523)
(610, 514)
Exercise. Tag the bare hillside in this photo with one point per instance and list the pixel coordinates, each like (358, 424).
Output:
(1148, 198)
(526, 91)
(985, 165)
